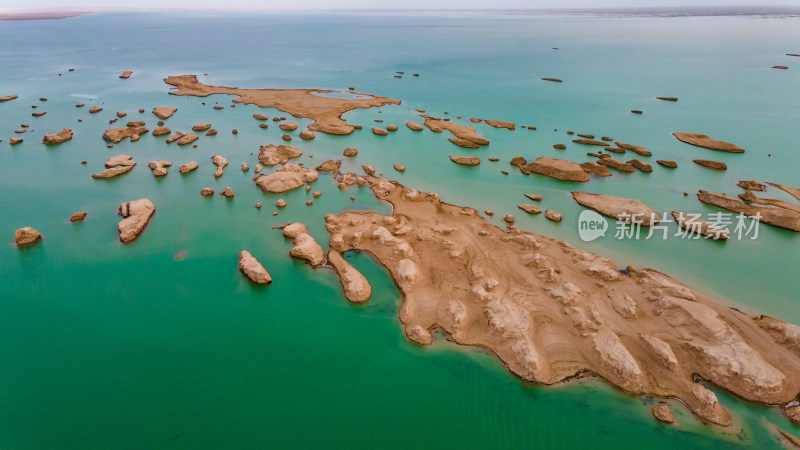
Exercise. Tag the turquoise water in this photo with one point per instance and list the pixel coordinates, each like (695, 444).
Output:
(111, 346)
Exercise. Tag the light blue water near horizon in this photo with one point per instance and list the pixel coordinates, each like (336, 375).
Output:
(105, 345)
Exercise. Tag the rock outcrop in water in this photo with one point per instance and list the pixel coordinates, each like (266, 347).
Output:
(57, 138)
(285, 178)
(463, 143)
(164, 112)
(329, 166)
(350, 179)
(552, 312)
(641, 165)
(779, 217)
(711, 164)
(271, 155)
(638, 149)
(253, 269)
(115, 166)
(187, 139)
(701, 140)
(160, 168)
(751, 185)
(116, 135)
(221, 162)
(530, 209)
(288, 126)
(667, 163)
(27, 236)
(414, 126)
(136, 215)
(326, 112)
(590, 142)
(560, 169)
(553, 215)
(188, 167)
(624, 167)
(174, 137)
(662, 413)
(355, 286)
(8, 98)
(305, 247)
(595, 169)
(501, 124)
(622, 209)
(466, 160)
(465, 136)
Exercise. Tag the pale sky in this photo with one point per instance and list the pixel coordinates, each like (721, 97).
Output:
(382, 4)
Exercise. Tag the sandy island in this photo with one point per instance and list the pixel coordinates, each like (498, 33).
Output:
(326, 112)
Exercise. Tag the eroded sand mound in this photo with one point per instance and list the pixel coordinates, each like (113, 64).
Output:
(551, 311)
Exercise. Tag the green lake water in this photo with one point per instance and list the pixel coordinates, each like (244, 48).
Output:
(163, 344)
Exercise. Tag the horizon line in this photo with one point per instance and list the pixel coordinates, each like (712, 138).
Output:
(26, 14)
(566, 8)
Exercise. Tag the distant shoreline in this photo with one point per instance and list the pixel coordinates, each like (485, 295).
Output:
(19, 15)
(42, 14)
